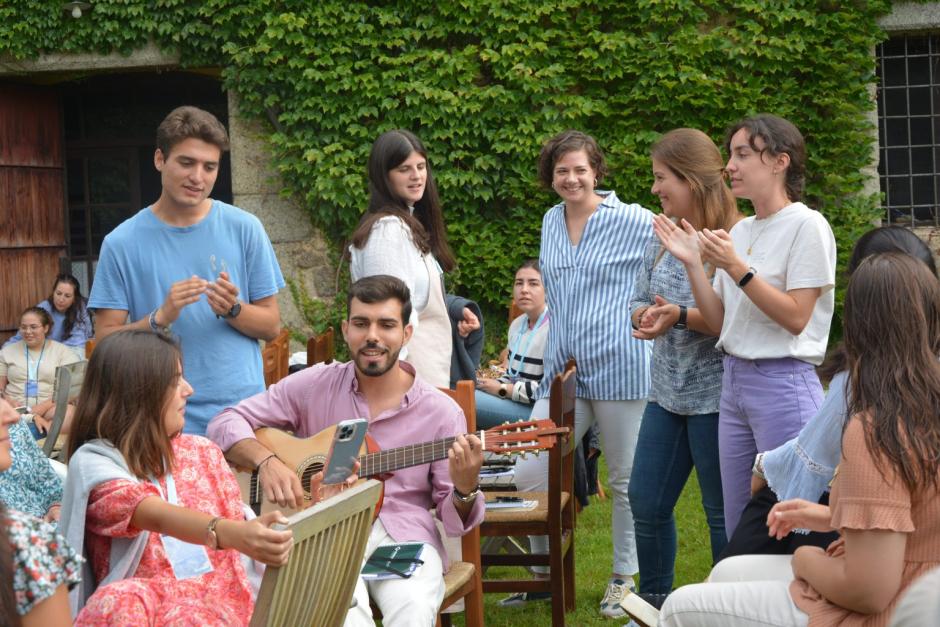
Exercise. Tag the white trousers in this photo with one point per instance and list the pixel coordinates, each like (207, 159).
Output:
(403, 602)
(742, 591)
(619, 423)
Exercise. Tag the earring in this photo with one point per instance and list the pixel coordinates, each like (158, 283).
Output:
(595, 183)
(553, 186)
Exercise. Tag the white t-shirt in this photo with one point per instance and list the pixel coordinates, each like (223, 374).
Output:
(792, 249)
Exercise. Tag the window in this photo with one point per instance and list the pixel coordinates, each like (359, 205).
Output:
(110, 127)
(908, 70)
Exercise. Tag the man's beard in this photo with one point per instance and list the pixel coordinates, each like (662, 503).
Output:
(375, 368)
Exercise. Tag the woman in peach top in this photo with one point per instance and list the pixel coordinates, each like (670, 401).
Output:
(885, 499)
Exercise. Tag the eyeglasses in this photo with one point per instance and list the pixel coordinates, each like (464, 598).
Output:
(31, 327)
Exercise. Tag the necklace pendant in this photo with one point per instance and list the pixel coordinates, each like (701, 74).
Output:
(749, 251)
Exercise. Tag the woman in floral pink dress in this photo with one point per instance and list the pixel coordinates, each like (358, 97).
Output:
(159, 513)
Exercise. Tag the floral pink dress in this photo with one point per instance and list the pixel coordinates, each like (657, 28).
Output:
(154, 596)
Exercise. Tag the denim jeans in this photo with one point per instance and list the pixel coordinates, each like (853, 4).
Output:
(493, 410)
(669, 445)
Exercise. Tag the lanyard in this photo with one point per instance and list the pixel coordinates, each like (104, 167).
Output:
(525, 349)
(170, 489)
(38, 362)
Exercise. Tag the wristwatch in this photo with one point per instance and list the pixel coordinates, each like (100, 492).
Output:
(683, 316)
(164, 329)
(233, 312)
(747, 277)
(503, 392)
(466, 498)
(212, 539)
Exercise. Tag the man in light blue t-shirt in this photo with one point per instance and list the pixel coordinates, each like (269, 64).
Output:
(198, 268)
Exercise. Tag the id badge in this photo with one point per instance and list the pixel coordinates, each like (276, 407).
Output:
(32, 388)
(187, 560)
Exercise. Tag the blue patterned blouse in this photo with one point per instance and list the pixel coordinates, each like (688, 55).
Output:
(30, 485)
(687, 369)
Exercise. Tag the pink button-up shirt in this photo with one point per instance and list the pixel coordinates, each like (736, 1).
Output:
(321, 396)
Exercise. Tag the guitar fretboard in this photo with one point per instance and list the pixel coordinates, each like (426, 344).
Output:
(380, 462)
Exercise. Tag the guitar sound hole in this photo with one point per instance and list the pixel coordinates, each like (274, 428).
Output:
(308, 472)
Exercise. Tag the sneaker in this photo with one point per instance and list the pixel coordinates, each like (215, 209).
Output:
(616, 589)
(521, 598)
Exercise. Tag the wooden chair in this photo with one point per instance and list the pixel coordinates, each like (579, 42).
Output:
(316, 585)
(282, 342)
(553, 517)
(274, 358)
(320, 348)
(463, 579)
(68, 382)
(269, 362)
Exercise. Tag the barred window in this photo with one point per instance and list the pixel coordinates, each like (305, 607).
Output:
(908, 70)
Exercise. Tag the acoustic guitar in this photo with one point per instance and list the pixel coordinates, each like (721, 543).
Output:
(307, 456)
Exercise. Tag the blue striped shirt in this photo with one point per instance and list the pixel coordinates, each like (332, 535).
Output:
(588, 288)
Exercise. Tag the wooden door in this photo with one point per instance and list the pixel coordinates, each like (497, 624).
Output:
(32, 214)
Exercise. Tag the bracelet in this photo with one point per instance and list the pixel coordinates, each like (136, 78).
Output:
(261, 463)
(641, 313)
(466, 498)
(758, 469)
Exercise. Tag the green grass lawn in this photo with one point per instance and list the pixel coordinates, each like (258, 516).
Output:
(593, 552)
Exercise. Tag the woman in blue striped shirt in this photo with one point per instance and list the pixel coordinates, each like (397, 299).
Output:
(592, 250)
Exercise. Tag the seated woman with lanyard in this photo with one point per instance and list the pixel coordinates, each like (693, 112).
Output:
(71, 322)
(27, 370)
(509, 398)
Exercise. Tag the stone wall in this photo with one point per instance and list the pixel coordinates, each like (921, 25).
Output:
(300, 248)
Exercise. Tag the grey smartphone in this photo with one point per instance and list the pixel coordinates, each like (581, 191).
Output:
(347, 440)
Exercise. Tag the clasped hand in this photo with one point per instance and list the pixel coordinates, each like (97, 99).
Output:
(656, 319)
(694, 247)
(221, 294)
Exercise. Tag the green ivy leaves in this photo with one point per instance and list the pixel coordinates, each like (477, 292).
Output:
(485, 82)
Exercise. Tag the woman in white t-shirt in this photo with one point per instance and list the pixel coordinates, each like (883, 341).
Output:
(771, 300)
(402, 234)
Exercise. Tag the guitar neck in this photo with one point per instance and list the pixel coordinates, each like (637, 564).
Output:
(390, 460)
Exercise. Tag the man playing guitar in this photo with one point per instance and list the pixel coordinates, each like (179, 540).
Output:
(401, 409)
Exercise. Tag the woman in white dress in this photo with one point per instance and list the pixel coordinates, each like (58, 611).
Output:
(402, 234)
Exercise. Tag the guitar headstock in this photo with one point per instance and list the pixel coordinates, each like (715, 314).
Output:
(520, 437)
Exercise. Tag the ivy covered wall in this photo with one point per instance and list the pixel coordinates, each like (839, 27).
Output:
(485, 82)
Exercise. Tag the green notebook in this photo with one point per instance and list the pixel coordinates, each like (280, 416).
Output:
(394, 560)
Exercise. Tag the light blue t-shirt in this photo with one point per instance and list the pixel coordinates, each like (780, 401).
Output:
(144, 256)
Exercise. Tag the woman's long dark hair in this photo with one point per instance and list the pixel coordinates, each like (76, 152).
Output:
(885, 239)
(389, 151)
(74, 313)
(892, 344)
(7, 597)
(123, 399)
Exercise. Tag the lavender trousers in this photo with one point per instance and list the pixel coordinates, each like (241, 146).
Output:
(764, 403)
